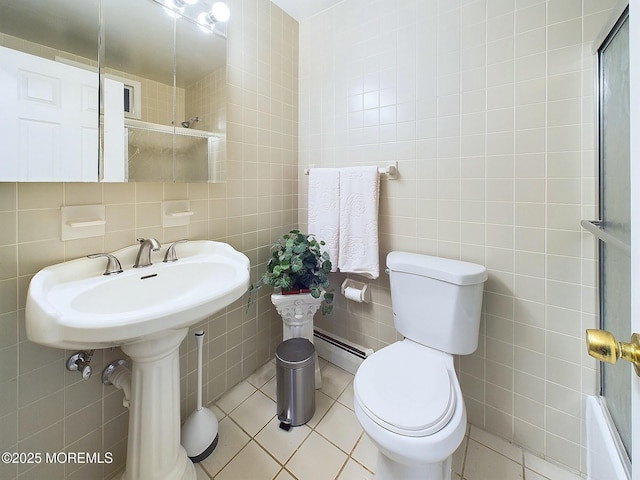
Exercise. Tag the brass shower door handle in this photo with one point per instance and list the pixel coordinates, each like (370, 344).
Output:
(603, 346)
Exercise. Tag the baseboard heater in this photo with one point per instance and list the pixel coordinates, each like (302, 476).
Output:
(343, 353)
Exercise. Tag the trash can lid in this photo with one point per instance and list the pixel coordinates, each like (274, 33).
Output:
(295, 350)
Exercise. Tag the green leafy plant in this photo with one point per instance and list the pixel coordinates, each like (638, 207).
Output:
(297, 265)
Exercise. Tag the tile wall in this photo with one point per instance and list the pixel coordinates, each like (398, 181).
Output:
(487, 105)
(488, 108)
(44, 408)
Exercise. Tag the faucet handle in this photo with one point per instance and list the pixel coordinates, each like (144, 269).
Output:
(171, 256)
(113, 264)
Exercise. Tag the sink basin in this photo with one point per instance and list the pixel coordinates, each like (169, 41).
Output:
(73, 305)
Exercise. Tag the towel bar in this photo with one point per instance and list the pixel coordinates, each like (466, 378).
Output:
(596, 228)
(391, 171)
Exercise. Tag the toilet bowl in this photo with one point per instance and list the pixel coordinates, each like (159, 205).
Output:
(408, 401)
(406, 396)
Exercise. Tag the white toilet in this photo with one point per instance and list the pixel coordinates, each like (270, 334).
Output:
(406, 395)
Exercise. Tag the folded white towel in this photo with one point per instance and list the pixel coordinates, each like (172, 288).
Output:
(324, 209)
(359, 187)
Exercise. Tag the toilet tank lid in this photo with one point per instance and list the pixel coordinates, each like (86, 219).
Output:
(445, 269)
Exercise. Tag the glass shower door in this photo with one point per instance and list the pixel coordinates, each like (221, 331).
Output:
(615, 220)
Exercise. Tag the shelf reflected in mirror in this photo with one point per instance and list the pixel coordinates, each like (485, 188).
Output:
(166, 84)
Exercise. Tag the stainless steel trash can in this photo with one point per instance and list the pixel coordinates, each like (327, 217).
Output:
(296, 382)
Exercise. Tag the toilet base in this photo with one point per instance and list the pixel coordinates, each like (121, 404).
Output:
(387, 469)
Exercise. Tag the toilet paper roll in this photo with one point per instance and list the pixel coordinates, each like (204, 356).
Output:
(353, 294)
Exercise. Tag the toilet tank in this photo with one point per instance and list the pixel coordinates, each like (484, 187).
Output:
(437, 301)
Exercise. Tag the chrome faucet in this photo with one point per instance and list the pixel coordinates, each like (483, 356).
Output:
(147, 245)
(113, 264)
(171, 256)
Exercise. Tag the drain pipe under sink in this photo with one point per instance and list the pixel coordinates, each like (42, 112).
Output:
(117, 373)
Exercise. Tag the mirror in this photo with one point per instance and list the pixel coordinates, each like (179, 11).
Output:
(173, 124)
(49, 90)
(173, 114)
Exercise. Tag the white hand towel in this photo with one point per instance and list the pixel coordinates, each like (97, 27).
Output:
(358, 253)
(324, 213)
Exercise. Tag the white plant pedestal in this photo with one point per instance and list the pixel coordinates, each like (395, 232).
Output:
(297, 311)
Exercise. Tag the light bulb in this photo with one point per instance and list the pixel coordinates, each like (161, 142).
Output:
(205, 23)
(220, 11)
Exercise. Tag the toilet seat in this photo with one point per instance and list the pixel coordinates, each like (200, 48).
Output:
(406, 389)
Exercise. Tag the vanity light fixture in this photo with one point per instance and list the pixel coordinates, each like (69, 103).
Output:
(219, 13)
(177, 6)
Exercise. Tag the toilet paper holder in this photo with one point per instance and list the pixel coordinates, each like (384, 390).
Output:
(364, 295)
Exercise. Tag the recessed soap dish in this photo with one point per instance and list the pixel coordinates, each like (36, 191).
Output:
(179, 214)
(86, 223)
(82, 221)
(176, 213)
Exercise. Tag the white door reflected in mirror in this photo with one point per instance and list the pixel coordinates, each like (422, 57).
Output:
(49, 121)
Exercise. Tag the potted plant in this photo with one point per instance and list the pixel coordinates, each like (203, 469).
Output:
(297, 265)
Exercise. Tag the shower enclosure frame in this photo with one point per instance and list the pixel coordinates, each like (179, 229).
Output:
(608, 455)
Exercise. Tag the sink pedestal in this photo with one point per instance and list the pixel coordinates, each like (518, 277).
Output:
(153, 449)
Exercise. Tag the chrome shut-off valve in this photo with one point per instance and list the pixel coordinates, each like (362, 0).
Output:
(79, 361)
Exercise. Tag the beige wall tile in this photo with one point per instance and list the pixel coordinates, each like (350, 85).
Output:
(33, 256)
(8, 228)
(117, 193)
(8, 296)
(40, 195)
(8, 196)
(82, 194)
(38, 415)
(522, 213)
(36, 225)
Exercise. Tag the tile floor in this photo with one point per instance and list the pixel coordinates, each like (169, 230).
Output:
(332, 444)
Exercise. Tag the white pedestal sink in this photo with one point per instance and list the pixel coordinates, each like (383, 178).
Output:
(147, 312)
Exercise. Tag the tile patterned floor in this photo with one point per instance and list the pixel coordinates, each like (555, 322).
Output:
(332, 445)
